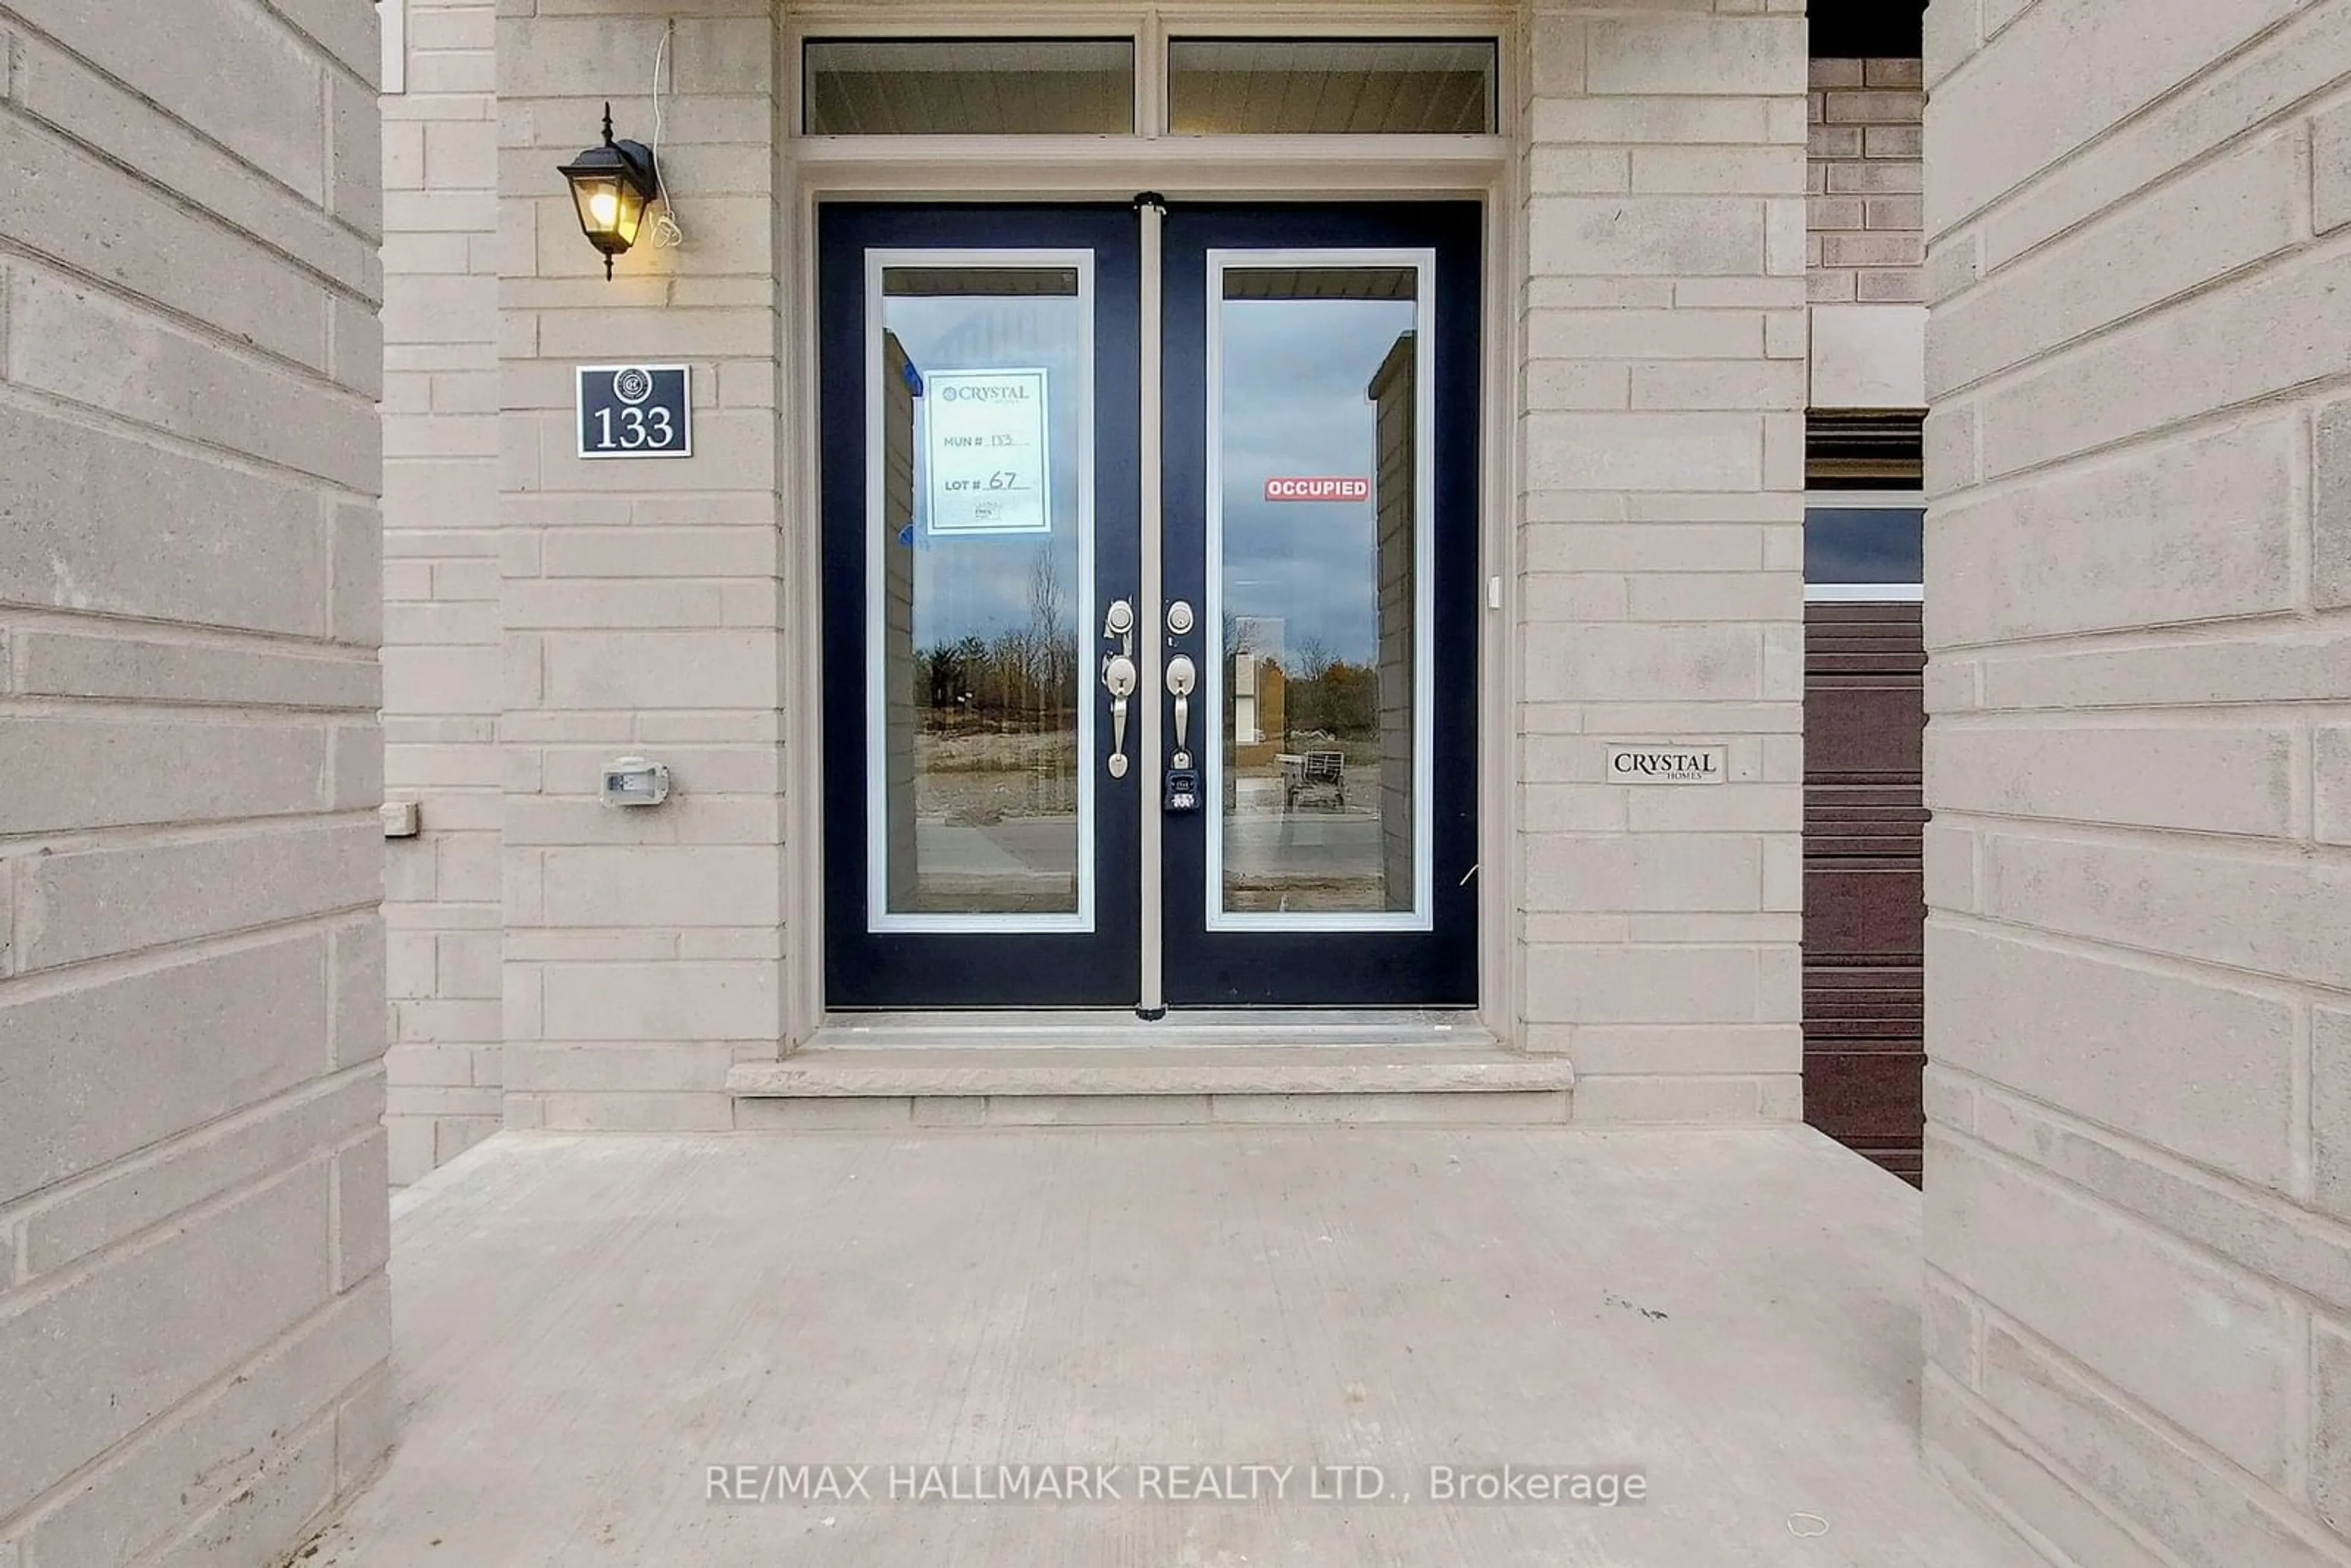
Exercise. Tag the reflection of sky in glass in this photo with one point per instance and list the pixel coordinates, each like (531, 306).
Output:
(1296, 405)
(980, 585)
(1864, 544)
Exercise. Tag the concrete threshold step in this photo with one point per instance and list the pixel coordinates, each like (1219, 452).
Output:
(1123, 1032)
(1262, 1070)
(828, 1086)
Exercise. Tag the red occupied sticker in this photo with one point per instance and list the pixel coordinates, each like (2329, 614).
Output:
(1318, 489)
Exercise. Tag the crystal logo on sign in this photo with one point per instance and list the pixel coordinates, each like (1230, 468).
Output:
(1666, 764)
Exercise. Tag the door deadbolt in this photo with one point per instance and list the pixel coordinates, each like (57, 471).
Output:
(1179, 617)
(1118, 626)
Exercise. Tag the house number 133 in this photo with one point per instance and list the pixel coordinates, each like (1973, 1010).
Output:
(636, 427)
(636, 411)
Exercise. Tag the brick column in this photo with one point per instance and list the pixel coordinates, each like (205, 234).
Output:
(194, 1322)
(1660, 584)
(441, 630)
(639, 601)
(2139, 613)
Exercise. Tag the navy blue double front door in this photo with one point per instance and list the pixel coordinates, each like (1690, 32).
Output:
(1149, 695)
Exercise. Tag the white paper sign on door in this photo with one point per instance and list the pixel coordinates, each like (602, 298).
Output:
(988, 473)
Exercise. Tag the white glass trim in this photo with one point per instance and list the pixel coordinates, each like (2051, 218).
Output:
(1866, 500)
(879, 918)
(1421, 915)
(1152, 31)
(1865, 593)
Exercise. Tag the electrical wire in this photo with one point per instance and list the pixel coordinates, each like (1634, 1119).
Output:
(668, 234)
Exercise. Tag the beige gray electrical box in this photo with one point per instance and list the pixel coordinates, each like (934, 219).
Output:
(634, 781)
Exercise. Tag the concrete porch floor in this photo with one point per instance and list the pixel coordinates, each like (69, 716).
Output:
(586, 1324)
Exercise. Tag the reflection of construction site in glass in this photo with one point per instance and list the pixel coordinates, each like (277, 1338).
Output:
(995, 774)
(982, 695)
(1319, 594)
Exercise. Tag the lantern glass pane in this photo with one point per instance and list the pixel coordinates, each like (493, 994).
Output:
(629, 215)
(599, 203)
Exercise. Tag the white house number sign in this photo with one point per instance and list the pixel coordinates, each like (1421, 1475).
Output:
(636, 411)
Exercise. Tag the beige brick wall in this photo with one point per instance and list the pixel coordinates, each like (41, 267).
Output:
(193, 1217)
(1866, 173)
(1660, 569)
(441, 626)
(2140, 950)
(640, 603)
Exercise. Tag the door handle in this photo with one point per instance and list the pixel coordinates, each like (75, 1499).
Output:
(1118, 679)
(1182, 678)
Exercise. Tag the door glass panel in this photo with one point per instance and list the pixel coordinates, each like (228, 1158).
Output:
(1318, 581)
(1357, 86)
(970, 87)
(980, 566)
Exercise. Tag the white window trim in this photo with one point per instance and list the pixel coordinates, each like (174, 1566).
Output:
(392, 17)
(1421, 915)
(1151, 29)
(1865, 592)
(879, 916)
(1482, 169)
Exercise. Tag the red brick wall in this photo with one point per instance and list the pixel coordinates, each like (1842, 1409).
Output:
(1866, 244)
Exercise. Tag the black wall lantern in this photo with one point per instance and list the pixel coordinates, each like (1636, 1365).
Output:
(612, 186)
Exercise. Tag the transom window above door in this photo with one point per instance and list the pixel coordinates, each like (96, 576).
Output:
(1353, 87)
(968, 87)
(1151, 85)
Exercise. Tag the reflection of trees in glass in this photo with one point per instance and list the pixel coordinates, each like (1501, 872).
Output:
(1024, 679)
(1329, 696)
(1307, 694)
(999, 714)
